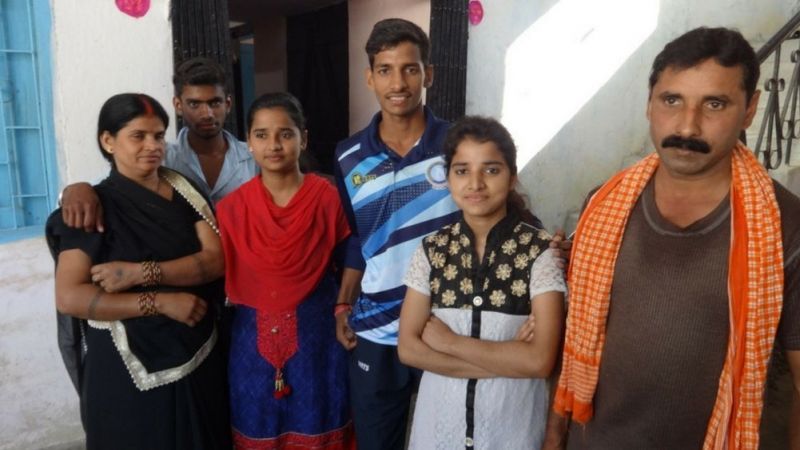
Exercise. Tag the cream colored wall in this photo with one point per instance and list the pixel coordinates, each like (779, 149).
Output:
(362, 16)
(96, 52)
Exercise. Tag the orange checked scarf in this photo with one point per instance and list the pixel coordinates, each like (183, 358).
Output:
(755, 291)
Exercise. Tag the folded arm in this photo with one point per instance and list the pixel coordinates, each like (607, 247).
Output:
(513, 358)
(414, 352)
(78, 297)
(198, 268)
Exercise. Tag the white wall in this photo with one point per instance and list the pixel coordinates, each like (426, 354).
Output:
(97, 52)
(362, 16)
(569, 79)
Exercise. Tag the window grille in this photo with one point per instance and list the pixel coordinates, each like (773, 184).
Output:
(27, 175)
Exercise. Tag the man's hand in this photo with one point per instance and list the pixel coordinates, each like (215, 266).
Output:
(345, 334)
(561, 249)
(117, 276)
(181, 306)
(793, 358)
(437, 334)
(348, 294)
(555, 437)
(555, 431)
(81, 208)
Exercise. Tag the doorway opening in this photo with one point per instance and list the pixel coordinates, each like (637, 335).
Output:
(300, 47)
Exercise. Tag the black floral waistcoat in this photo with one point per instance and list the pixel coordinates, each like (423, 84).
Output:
(500, 282)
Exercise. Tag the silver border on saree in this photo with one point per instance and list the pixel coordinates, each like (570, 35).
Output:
(143, 379)
(187, 191)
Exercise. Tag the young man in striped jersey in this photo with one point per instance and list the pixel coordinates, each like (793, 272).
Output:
(392, 182)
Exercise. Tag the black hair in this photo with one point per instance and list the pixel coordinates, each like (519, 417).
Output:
(120, 109)
(727, 47)
(283, 100)
(480, 129)
(485, 129)
(198, 72)
(389, 33)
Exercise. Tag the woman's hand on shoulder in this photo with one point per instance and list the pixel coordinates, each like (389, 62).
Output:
(182, 307)
(117, 276)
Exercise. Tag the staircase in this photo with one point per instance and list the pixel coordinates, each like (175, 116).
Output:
(775, 133)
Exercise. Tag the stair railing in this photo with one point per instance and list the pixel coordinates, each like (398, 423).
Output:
(778, 132)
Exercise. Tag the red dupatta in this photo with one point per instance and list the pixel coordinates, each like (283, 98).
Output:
(275, 257)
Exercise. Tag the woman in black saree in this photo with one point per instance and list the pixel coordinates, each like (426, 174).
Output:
(150, 289)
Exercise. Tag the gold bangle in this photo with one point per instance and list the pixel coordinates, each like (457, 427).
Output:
(147, 303)
(152, 273)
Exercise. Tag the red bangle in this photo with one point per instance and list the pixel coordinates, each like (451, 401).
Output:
(341, 307)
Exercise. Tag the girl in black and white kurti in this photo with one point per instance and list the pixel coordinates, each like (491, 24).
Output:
(475, 290)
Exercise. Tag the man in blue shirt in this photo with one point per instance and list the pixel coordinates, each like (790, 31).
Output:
(205, 152)
(392, 181)
(211, 157)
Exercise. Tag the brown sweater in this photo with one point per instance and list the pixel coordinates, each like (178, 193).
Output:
(668, 326)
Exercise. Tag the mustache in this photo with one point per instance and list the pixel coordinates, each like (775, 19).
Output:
(695, 145)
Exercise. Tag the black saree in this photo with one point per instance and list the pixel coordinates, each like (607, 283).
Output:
(148, 382)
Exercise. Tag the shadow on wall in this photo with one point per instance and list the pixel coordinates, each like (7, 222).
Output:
(549, 62)
(569, 80)
(503, 23)
(587, 41)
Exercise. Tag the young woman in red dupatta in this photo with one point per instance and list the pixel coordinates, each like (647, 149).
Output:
(281, 233)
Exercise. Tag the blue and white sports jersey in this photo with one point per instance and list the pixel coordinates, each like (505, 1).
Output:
(392, 203)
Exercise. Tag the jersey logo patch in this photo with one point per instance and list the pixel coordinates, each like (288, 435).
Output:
(437, 175)
(357, 179)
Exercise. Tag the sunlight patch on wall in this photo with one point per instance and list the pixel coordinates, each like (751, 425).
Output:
(563, 59)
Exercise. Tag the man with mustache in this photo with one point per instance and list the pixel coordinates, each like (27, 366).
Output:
(205, 152)
(684, 273)
(392, 182)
